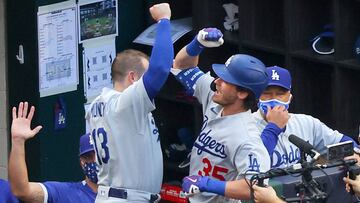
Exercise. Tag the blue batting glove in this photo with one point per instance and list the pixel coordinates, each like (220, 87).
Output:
(210, 34)
(194, 184)
(207, 37)
(210, 37)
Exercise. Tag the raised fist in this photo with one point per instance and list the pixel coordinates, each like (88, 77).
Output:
(160, 11)
(210, 37)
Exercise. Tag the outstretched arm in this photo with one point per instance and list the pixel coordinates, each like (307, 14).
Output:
(162, 54)
(18, 177)
(237, 189)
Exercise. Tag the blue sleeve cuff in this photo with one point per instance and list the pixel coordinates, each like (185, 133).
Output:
(348, 138)
(215, 186)
(275, 129)
(194, 48)
(188, 78)
(269, 136)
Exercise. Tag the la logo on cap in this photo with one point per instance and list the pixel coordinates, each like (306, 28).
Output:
(275, 75)
(91, 141)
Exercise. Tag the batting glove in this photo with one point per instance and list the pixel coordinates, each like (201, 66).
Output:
(207, 37)
(210, 37)
(194, 184)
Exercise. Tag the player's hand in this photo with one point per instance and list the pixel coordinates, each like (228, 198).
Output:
(265, 195)
(194, 184)
(210, 37)
(354, 183)
(20, 127)
(278, 115)
(160, 11)
(354, 156)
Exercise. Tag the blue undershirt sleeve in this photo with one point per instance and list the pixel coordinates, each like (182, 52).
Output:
(161, 59)
(348, 138)
(269, 136)
(215, 186)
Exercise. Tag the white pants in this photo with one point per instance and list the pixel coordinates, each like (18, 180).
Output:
(133, 196)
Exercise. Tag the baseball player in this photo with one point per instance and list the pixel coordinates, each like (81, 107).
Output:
(125, 135)
(277, 123)
(229, 145)
(5, 193)
(57, 192)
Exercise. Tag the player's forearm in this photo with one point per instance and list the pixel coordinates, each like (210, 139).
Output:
(183, 60)
(18, 176)
(269, 137)
(161, 59)
(237, 189)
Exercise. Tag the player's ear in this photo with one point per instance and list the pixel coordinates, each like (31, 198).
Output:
(242, 94)
(131, 77)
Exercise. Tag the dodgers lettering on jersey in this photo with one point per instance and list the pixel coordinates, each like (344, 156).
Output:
(307, 128)
(289, 157)
(206, 143)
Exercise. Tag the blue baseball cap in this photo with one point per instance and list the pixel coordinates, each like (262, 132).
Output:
(244, 71)
(86, 144)
(357, 48)
(279, 77)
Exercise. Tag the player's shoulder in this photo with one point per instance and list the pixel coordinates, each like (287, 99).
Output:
(247, 125)
(302, 117)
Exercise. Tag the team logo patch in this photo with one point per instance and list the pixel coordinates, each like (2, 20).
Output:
(253, 163)
(275, 75)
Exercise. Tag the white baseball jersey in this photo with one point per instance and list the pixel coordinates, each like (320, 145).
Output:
(227, 146)
(305, 127)
(126, 140)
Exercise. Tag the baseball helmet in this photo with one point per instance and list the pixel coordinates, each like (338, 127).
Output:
(244, 71)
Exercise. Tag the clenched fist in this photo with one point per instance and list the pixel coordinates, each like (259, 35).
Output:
(160, 11)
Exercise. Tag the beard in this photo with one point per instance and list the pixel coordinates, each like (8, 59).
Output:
(224, 100)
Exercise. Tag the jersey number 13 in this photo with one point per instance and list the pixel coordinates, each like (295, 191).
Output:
(103, 156)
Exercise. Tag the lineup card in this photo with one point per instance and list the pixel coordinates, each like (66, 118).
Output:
(57, 45)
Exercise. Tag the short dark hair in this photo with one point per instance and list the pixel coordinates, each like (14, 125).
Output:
(250, 100)
(126, 61)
